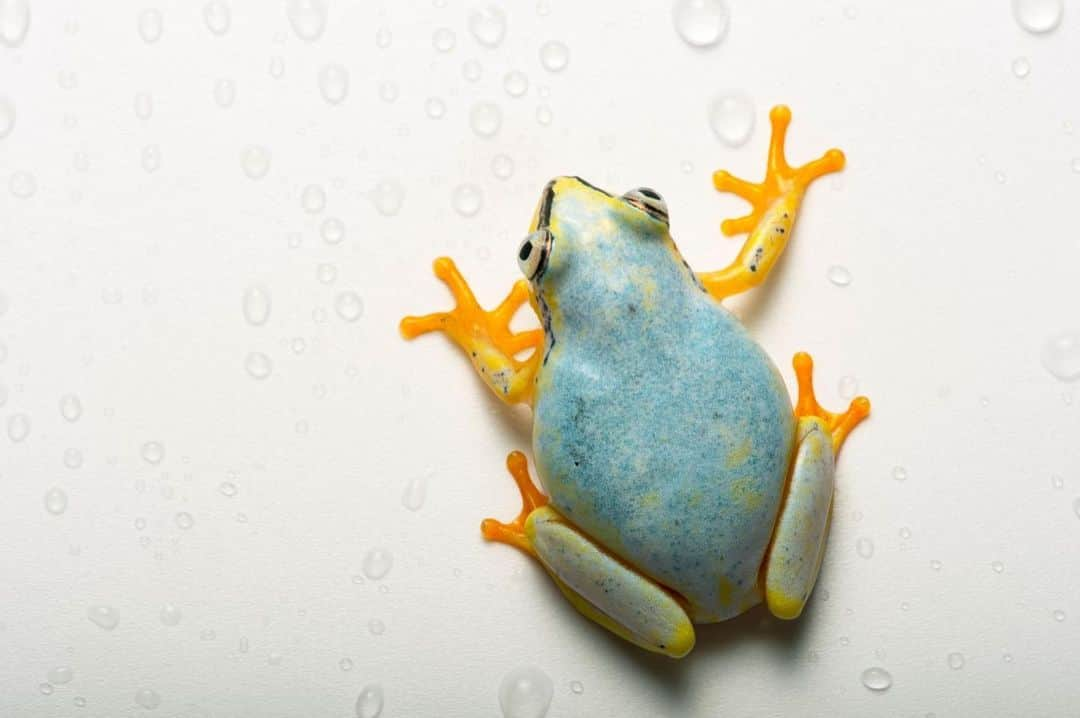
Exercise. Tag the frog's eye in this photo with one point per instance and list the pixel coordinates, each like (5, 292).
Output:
(648, 200)
(533, 252)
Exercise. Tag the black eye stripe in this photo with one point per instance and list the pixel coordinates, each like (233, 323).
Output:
(651, 194)
(525, 251)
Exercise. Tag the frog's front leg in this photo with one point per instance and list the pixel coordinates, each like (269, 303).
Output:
(798, 542)
(485, 337)
(600, 586)
(775, 203)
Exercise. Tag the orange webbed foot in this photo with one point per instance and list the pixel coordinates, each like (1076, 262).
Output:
(513, 533)
(838, 425)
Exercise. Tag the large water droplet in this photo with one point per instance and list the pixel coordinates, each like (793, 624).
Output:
(443, 39)
(377, 563)
(60, 675)
(170, 615)
(525, 693)
(349, 306)
(103, 616)
(369, 704)
(56, 501)
(1038, 16)
(838, 275)
(485, 118)
(255, 304)
(18, 427)
(955, 660)
(255, 161)
(415, 493)
(515, 83)
(701, 23)
(224, 92)
(151, 25)
(148, 699)
(217, 16)
(22, 185)
(334, 83)
(864, 547)
(488, 25)
(7, 115)
(14, 22)
(502, 166)
(388, 195)
(877, 679)
(307, 17)
(1061, 355)
(731, 118)
(467, 199)
(258, 365)
(554, 56)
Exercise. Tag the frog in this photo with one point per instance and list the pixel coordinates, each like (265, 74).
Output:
(678, 483)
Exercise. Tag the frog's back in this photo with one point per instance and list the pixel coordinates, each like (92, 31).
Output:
(666, 436)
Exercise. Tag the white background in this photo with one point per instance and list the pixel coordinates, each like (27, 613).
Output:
(955, 217)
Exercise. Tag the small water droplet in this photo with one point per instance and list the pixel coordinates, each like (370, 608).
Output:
(217, 16)
(955, 660)
(864, 547)
(502, 166)
(224, 92)
(485, 118)
(1075, 162)
(22, 184)
(434, 108)
(326, 273)
(388, 91)
(904, 605)
(148, 699)
(1038, 16)
(443, 39)
(369, 703)
(415, 493)
(14, 22)
(103, 617)
(1057, 482)
(472, 70)
(877, 679)
(255, 304)
(334, 83)
(150, 158)
(1021, 67)
(905, 532)
(18, 427)
(544, 115)
(466, 200)
(899, 473)
(1059, 615)
(1000, 177)
(935, 565)
(838, 275)
(7, 115)
(848, 387)
(348, 306)
(307, 17)
(1061, 355)
(376, 627)
(313, 199)
(488, 25)
(79, 702)
(56, 501)
(731, 117)
(46, 689)
(70, 407)
(153, 452)
(345, 664)
(258, 365)
(151, 24)
(377, 563)
(255, 161)
(184, 520)
(701, 23)
(515, 83)
(228, 488)
(577, 687)
(73, 458)
(332, 230)
(170, 615)
(388, 196)
(554, 56)
(525, 692)
(997, 566)
(383, 38)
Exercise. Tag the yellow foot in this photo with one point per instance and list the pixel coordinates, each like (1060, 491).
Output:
(839, 425)
(781, 180)
(513, 533)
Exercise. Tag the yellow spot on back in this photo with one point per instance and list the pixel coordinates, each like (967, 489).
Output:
(744, 491)
(739, 454)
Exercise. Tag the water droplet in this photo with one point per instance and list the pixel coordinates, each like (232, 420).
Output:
(997, 566)
(864, 547)
(46, 689)
(313, 199)
(150, 25)
(150, 159)
(1059, 615)
(332, 230)
(525, 692)
(376, 627)
(387, 196)
(348, 306)
(502, 166)
(466, 199)
(935, 565)
(326, 273)
(850, 12)
(217, 16)
(255, 161)
(22, 184)
(905, 532)
(7, 115)
(56, 501)
(228, 488)
(515, 83)
(1061, 355)
(955, 660)
(544, 115)
(434, 108)
(838, 275)
(103, 617)
(18, 427)
(70, 407)
(1038, 16)
(554, 56)
(255, 304)
(488, 25)
(14, 22)
(383, 38)
(443, 39)
(184, 520)
(334, 83)
(377, 563)
(153, 452)
(1076, 507)
(1021, 67)
(731, 117)
(577, 687)
(388, 91)
(369, 704)
(899, 473)
(258, 365)
(147, 699)
(224, 92)
(485, 118)
(848, 387)
(73, 458)
(1057, 482)
(701, 23)
(307, 17)
(170, 615)
(472, 70)
(79, 702)
(345, 664)
(415, 493)
(877, 679)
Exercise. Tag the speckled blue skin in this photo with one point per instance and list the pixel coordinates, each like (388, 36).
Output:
(661, 429)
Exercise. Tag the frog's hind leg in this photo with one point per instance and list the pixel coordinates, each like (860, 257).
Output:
(775, 202)
(598, 585)
(798, 543)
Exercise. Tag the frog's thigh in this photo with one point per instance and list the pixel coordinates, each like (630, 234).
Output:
(608, 591)
(798, 543)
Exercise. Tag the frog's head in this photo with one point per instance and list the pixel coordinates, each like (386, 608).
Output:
(589, 252)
